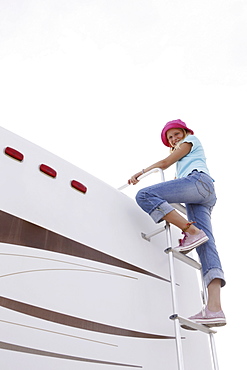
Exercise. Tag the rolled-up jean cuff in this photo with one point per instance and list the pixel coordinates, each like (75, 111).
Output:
(214, 273)
(158, 213)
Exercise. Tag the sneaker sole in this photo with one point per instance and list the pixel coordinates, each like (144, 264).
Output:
(212, 322)
(192, 246)
(206, 322)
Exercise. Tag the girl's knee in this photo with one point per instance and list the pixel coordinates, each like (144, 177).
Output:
(140, 197)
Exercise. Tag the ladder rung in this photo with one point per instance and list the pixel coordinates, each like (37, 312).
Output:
(191, 325)
(184, 258)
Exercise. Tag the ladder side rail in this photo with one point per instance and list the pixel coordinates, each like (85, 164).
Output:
(213, 351)
(204, 288)
(174, 301)
(211, 335)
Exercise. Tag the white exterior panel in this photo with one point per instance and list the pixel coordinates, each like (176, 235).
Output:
(80, 288)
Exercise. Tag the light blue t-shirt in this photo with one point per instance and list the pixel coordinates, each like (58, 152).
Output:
(195, 160)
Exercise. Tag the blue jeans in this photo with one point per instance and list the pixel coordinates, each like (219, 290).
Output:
(197, 192)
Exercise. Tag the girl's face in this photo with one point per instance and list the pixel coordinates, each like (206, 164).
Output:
(174, 135)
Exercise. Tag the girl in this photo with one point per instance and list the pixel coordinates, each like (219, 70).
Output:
(194, 187)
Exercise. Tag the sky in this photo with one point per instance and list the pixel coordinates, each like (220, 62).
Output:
(94, 82)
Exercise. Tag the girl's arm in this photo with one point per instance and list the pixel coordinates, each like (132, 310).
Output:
(175, 156)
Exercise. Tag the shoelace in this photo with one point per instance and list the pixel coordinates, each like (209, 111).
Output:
(182, 240)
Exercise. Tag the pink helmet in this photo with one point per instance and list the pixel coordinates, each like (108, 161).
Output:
(177, 123)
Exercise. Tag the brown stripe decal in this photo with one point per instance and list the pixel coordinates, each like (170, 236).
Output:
(33, 351)
(17, 231)
(73, 321)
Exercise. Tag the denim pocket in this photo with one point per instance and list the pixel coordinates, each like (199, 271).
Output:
(205, 186)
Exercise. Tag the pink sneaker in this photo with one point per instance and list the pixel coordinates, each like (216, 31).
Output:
(209, 318)
(190, 242)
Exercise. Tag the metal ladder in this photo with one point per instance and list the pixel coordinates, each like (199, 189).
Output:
(178, 320)
(172, 255)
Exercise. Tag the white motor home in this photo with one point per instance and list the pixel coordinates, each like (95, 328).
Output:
(80, 286)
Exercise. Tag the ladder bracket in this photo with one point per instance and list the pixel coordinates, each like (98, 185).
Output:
(153, 233)
(145, 236)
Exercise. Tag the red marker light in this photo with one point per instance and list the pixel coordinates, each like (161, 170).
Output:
(48, 170)
(78, 186)
(14, 154)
